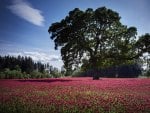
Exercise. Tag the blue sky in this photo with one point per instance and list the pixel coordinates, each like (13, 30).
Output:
(24, 23)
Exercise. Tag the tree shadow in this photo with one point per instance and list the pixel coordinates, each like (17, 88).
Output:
(46, 80)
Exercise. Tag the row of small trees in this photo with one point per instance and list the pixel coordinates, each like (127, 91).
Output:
(24, 67)
(25, 64)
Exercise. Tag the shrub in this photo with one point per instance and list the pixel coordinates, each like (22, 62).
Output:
(147, 74)
(2, 75)
(16, 74)
(7, 73)
(35, 74)
(11, 74)
(56, 74)
(77, 73)
(45, 75)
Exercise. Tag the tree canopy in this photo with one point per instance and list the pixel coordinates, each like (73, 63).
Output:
(96, 38)
(143, 44)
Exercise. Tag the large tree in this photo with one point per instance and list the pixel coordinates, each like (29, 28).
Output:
(95, 35)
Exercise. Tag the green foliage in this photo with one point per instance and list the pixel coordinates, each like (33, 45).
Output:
(23, 64)
(24, 67)
(147, 74)
(2, 75)
(56, 74)
(15, 74)
(77, 73)
(17, 67)
(143, 44)
(25, 75)
(46, 75)
(11, 74)
(35, 74)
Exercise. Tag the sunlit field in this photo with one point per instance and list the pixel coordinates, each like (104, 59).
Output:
(75, 95)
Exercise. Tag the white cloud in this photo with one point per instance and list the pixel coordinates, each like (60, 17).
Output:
(43, 57)
(25, 11)
(52, 59)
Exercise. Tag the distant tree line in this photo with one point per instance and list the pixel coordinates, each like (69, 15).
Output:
(25, 67)
(123, 71)
(26, 64)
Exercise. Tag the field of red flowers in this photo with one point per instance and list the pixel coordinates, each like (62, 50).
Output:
(75, 95)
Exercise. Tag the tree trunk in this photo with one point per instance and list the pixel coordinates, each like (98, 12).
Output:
(94, 68)
(95, 74)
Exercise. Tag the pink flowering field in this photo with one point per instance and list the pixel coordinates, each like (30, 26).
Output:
(75, 95)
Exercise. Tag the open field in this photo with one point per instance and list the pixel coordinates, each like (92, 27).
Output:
(75, 95)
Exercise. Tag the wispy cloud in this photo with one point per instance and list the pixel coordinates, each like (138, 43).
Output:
(37, 56)
(24, 10)
(53, 59)
(41, 56)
